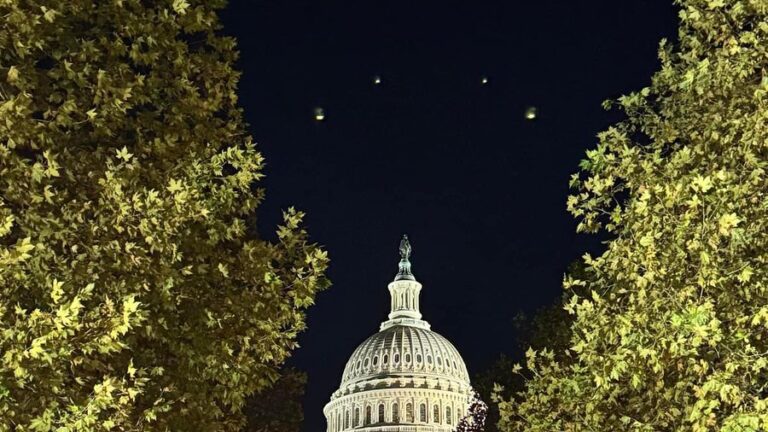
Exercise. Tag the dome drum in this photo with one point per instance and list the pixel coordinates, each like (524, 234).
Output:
(390, 409)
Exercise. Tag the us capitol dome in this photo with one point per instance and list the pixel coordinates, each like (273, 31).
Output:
(405, 378)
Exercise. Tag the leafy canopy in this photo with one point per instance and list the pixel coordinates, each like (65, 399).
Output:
(547, 327)
(133, 295)
(673, 335)
(279, 408)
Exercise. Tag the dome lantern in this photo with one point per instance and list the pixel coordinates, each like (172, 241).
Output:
(404, 292)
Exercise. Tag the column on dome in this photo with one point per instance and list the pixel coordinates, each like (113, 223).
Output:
(410, 411)
(395, 414)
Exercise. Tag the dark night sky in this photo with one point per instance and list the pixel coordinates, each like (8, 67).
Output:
(433, 153)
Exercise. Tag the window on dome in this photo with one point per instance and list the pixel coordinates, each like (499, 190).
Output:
(357, 417)
(429, 359)
(375, 360)
(346, 420)
(368, 415)
(454, 365)
(358, 365)
(439, 361)
(423, 413)
(418, 358)
(365, 363)
(395, 413)
(448, 415)
(396, 358)
(381, 413)
(409, 412)
(407, 358)
(386, 359)
(436, 414)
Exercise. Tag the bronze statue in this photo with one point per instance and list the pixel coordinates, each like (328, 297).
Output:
(404, 267)
(405, 248)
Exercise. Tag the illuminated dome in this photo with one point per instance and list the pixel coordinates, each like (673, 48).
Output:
(404, 375)
(402, 350)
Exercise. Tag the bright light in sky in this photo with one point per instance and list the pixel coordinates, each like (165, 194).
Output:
(530, 113)
(484, 80)
(319, 114)
(377, 80)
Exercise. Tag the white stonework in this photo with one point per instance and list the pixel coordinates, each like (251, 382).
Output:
(405, 378)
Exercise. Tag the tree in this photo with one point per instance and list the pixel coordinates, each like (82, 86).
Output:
(278, 408)
(133, 295)
(673, 333)
(548, 327)
(474, 420)
(498, 379)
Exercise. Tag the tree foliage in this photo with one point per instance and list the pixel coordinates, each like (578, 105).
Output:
(673, 335)
(133, 295)
(278, 408)
(474, 419)
(498, 379)
(549, 327)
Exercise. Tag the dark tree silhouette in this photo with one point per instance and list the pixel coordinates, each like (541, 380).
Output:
(474, 420)
(279, 408)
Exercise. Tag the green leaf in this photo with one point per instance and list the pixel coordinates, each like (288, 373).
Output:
(180, 6)
(123, 154)
(13, 74)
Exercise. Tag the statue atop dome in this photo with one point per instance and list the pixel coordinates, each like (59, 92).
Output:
(405, 248)
(404, 268)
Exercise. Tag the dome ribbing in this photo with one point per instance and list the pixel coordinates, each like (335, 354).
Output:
(405, 350)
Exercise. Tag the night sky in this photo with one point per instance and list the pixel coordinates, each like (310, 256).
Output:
(433, 152)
